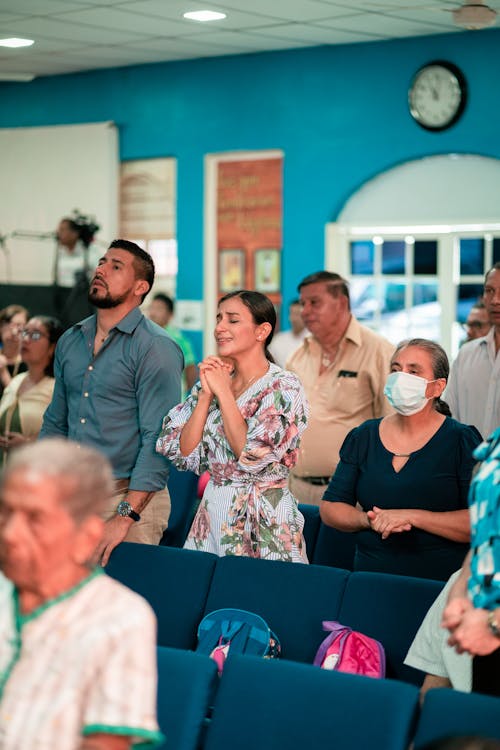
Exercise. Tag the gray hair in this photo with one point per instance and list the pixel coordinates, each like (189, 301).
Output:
(85, 477)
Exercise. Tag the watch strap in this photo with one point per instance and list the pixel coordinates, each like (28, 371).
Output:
(493, 624)
(134, 515)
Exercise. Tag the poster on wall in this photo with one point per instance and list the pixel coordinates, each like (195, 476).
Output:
(147, 198)
(231, 270)
(267, 271)
(249, 217)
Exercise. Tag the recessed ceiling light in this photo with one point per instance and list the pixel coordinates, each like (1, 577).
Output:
(15, 42)
(204, 15)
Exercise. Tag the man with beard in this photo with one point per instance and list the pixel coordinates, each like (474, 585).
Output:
(116, 374)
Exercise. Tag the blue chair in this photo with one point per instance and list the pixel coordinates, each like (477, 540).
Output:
(449, 713)
(186, 686)
(334, 548)
(311, 527)
(292, 598)
(268, 705)
(389, 608)
(174, 581)
(182, 486)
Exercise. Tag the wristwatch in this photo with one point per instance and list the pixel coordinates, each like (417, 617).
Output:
(493, 624)
(125, 509)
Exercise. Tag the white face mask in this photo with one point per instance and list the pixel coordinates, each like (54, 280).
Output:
(406, 393)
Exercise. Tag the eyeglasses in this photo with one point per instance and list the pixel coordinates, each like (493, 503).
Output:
(33, 335)
(476, 324)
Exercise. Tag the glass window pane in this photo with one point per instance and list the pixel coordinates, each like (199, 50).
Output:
(496, 250)
(362, 256)
(468, 295)
(393, 297)
(393, 257)
(424, 293)
(364, 299)
(472, 255)
(425, 257)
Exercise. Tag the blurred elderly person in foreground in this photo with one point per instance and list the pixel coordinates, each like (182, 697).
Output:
(77, 649)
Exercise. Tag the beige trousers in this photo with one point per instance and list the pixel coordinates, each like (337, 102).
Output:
(154, 517)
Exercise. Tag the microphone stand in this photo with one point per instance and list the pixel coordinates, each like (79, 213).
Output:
(28, 235)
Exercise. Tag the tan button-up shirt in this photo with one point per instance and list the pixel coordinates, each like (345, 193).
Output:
(350, 391)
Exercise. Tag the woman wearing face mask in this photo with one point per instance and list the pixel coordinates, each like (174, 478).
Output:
(402, 481)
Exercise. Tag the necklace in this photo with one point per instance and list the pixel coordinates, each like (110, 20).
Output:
(327, 360)
(246, 385)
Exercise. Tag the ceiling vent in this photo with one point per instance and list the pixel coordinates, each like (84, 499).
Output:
(474, 15)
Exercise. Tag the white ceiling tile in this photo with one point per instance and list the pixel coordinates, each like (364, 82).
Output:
(42, 7)
(122, 20)
(55, 29)
(375, 23)
(288, 10)
(315, 34)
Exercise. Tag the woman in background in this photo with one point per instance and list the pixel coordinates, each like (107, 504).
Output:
(12, 320)
(28, 394)
(242, 422)
(402, 481)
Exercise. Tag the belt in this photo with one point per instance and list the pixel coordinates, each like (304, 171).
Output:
(122, 484)
(317, 481)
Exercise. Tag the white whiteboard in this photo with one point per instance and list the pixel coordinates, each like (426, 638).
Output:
(46, 173)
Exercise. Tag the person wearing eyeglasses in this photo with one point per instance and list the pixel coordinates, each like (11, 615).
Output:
(473, 391)
(29, 393)
(478, 322)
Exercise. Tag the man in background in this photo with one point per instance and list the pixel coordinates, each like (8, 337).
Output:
(117, 374)
(285, 343)
(77, 649)
(478, 321)
(473, 392)
(343, 367)
(161, 312)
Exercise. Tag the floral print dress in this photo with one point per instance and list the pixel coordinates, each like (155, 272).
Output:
(247, 508)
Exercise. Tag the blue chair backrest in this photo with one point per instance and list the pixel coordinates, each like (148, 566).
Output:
(389, 608)
(311, 527)
(334, 548)
(182, 487)
(293, 599)
(174, 581)
(449, 713)
(271, 705)
(186, 688)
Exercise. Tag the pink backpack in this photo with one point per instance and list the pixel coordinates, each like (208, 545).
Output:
(346, 650)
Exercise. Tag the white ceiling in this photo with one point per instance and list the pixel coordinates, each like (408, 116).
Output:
(76, 35)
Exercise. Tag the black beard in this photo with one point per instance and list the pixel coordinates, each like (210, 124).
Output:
(107, 302)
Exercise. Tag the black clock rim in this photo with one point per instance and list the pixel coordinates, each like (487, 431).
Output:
(462, 83)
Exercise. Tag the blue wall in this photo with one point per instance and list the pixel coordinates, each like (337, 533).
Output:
(339, 114)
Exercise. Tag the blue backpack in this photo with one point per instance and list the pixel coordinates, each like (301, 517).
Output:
(237, 631)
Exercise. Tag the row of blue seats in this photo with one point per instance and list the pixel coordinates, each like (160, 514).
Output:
(182, 586)
(325, 546)
(270, 705)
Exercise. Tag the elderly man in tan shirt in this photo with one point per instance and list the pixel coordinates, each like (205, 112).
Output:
(343, 367)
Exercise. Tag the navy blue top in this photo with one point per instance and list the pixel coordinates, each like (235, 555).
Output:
(115, 401)
(436, 478)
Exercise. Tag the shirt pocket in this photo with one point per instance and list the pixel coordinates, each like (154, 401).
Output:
(350, 396)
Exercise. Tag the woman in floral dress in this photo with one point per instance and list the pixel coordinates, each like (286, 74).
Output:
(242, 422)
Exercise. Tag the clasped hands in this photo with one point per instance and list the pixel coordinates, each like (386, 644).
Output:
(468, 627)
(388, 521)
(215, 375)
(11, 440)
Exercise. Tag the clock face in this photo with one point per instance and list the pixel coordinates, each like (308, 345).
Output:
(437, 95)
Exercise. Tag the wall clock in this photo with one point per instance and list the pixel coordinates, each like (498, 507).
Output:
(437, 95)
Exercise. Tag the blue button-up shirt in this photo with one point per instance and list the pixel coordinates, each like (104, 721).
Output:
(115, 401)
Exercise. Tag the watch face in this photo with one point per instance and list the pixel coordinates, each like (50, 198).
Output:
(124, 508)
(437, 95)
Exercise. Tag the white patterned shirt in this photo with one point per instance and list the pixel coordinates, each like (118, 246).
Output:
(81, 664)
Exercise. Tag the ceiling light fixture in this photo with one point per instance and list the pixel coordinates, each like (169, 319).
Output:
(204, 15)
(16, 42)
(474, 15)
